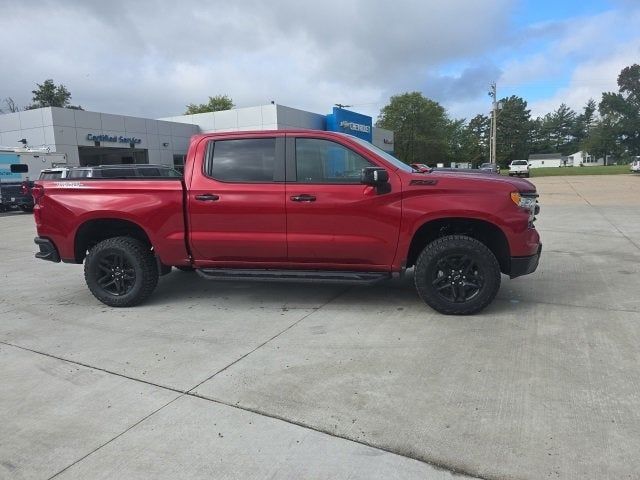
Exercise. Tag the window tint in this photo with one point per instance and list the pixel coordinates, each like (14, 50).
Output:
(247, 160)
(323, 161)
(149, 172)
(115, 172)
(78, 174)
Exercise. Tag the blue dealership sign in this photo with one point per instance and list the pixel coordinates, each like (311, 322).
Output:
(353, 123)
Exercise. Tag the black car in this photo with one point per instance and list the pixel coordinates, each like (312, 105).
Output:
(490, 168)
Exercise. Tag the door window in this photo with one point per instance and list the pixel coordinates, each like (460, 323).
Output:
(323, 161)
(247, 160)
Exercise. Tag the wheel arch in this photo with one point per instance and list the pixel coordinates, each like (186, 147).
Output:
(94, 231)
(484, 231)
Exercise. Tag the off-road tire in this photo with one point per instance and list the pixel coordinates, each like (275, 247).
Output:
(137, 260)
(485, 271)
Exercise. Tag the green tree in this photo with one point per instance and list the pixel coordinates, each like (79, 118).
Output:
(585, 122)
(48, 94)
(473, 140)
(620, 113)
(421, 128)
(514, 129)
(215, 104)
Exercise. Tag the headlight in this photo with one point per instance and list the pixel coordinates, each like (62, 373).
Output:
(528, 201)
(524, 200)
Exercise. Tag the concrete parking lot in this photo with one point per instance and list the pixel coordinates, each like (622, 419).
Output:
(250, 380)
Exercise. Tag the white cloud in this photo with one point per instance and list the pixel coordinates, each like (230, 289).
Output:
(595, 48)
(152, 58)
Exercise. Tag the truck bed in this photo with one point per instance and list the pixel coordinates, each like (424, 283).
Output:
(68, 208)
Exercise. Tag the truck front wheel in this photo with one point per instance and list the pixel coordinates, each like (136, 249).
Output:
(121, 271)
(457, 275)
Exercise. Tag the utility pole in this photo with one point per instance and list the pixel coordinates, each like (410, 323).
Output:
(494, 123)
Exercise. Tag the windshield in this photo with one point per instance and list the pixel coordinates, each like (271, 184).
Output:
(378, 151)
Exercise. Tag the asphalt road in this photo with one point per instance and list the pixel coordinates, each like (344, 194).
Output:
(250, 380)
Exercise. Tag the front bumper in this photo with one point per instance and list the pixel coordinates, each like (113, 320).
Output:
(48, 250)
(525, 265)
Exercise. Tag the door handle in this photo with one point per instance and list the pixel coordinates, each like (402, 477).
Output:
(207, 197)
(303, 198)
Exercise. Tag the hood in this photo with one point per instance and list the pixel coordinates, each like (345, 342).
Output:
(477, 178)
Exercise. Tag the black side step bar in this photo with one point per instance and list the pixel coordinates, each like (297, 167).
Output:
(297, 276)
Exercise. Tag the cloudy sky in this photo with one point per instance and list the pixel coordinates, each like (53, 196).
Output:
(151, 58)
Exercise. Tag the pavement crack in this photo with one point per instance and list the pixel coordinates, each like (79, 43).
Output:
(115, 438)
(436, 465)
(335, 297)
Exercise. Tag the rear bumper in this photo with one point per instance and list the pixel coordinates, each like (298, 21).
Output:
(525, 265)
(48, 250)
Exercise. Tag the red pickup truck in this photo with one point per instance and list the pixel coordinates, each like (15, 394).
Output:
(293, 206)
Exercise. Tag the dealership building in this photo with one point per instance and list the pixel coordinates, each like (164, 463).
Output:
(94, 138)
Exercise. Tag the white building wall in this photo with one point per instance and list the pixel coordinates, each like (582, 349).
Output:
(269, 117)
(584, 159)
(545, 163)
(263, 117)
(64, 129)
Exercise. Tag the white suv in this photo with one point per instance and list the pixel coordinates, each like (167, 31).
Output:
(519, 168)
(635, 166)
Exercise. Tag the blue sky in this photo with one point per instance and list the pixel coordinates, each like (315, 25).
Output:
(152, 57)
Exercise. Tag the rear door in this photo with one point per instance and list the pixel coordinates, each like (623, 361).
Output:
(236, 203)
(333, 221)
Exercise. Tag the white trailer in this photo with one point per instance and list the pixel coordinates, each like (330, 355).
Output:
(34, 161)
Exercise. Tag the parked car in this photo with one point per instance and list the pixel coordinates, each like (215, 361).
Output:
(490, 168)
(53, 173)
(519, 168)
(421, 167)
(635, 166)
(124, 171)
(286, 205)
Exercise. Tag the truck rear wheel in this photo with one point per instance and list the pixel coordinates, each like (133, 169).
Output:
(457, 275)
(121, 272)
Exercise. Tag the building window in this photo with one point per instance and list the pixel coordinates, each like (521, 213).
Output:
(178, 163)
(247, 160)
(323, 161)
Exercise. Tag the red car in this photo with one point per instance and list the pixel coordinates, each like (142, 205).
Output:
(293, 206)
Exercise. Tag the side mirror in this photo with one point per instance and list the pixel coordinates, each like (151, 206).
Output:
(19, 168)
(374, 176)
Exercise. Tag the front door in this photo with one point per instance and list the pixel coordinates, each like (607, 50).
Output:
(237, 204)
(333, 221)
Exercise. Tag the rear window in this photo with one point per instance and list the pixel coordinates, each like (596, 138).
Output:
(519, 162)
(245, 160)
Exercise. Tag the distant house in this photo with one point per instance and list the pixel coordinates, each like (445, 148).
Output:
(543, 160)
(583, 159)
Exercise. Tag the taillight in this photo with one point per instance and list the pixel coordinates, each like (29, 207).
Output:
(37, 192)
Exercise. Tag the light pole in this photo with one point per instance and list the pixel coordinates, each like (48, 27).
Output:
(495, 107)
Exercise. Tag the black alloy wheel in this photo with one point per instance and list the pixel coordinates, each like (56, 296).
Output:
(121, 271)
(457, 275)
(118, 275)
(457, 278)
